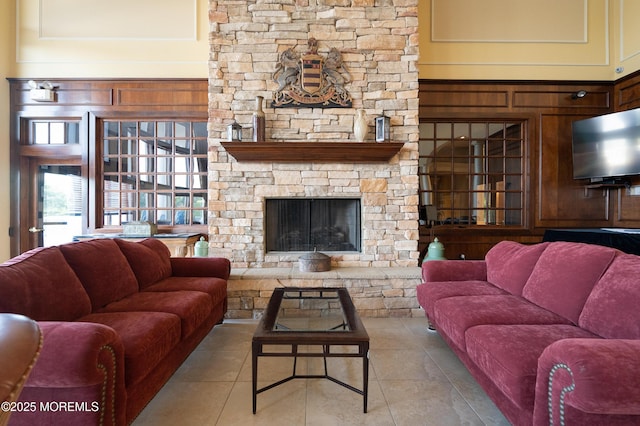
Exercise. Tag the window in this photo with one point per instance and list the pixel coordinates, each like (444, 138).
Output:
(472, 173)
(51, 132)
(154, 171)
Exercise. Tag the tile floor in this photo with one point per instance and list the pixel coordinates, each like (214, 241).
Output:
(414, 379)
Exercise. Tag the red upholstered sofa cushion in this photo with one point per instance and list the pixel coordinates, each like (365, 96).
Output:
(192, 307)
(149, 260)
(565, 275)
(96, 262)
(147, 338)
(214, 287)
(58, 295)
(510, 354)
(429, 293)
(509, 264)
(455, 315)
(612, 309)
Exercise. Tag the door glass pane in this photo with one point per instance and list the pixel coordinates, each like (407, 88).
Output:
(62, 199)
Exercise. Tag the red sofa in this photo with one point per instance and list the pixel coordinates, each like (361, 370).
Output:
(117, 317)
(551, 331)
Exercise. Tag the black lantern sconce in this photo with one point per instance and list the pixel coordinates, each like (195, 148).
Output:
(383, 125)
(234, 132)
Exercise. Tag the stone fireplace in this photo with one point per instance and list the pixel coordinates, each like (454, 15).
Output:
(378, 42)
(379, 45)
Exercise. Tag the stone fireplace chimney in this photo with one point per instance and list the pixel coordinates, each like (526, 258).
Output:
(378, 41)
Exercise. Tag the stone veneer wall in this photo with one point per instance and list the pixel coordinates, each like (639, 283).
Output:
(379, 44)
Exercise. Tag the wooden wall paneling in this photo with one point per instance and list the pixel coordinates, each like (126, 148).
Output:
(627, 214)
(473, 244)
(563, 201)
(628, 94)
(554, 198)
(95, 98)
(186, 95)
(464, 97)
(562, 97)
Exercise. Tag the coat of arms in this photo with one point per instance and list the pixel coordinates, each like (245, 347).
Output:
(311, 79)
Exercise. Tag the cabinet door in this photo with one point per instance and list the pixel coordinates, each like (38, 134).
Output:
(561, 200)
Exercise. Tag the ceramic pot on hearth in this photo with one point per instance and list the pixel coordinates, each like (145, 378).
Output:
(314, 262)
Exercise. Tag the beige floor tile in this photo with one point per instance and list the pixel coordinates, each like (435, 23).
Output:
(235, 336)
(282, 405)
(414, 379)
(217, 366)
(461, 379)
(405, 364)
(384, 323)
(348, 370)
(186, 403)
(387, 338)
(272, 368)
(331, 404)
(424, 402)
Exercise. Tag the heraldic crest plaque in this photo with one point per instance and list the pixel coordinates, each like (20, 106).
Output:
(311, 80)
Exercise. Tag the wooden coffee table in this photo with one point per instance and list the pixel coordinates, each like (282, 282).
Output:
(324, 318)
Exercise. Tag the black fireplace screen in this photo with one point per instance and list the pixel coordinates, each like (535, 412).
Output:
(308, 224)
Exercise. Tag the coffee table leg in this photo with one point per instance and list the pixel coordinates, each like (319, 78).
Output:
(365, 374)
(325, 349)
(254, 373)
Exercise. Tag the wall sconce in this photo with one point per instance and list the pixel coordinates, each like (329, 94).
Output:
(42, 92)
(383, 125)
(579, 94)
(234, 132)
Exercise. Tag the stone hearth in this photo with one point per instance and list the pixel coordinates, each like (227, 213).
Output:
(376, 292)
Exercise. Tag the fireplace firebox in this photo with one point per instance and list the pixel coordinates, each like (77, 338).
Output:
(308, 224)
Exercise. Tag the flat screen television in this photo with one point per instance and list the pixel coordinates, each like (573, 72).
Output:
(607, 146)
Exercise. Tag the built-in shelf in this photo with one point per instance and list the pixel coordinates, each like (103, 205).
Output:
(312, 151)
(606, 185)
(614, 183)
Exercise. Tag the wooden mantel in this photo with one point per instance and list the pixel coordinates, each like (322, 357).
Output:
(310, 151)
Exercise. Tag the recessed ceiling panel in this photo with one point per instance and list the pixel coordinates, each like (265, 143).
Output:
(118, 19)
(509, 21)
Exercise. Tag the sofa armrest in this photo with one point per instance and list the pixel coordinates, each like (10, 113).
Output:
(80, 363)
(454, 270)
(587, 376)
(218, 267)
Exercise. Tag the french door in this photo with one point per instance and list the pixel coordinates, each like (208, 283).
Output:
(56, 203)
(52, 182)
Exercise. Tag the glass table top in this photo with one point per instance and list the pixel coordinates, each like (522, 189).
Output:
(311, 310)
